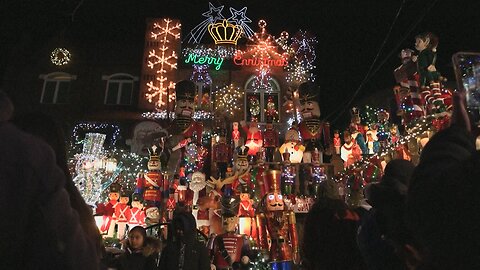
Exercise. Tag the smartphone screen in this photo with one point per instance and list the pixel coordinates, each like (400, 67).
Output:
(467, 73)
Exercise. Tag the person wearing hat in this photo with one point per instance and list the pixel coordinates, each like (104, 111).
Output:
(184, 127)
(280, 224)
(150, 184)
(137, 215)
(122, 214)
(230, 250)
(312, 129)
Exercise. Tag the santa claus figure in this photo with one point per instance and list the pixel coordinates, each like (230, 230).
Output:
(230, 250)
(183, 129)
(254, 139)
(150, 184)
(279, 224)
(350, 151)
(137, 215)
(122, 214)
(315, 133)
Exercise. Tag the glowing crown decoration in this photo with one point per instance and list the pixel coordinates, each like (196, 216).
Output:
(225, 32)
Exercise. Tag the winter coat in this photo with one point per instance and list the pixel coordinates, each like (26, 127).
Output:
(196, 254)
(144, 259)
(38, 229)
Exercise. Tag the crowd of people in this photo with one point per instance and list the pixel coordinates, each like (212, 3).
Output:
(421, 217)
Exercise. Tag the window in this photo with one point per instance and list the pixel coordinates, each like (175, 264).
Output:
(119, 89)
(203, 91)
(262, 103)
(56, 88)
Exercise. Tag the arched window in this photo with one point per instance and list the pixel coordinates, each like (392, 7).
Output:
(119, 89)
(56, 88)
(260, 102)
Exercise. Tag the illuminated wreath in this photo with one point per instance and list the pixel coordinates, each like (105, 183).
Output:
(60, 56)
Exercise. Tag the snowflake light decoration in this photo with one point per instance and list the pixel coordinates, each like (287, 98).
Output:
(163, 60)
(60, 56)
(228, 100)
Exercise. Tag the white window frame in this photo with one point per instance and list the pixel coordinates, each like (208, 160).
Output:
(275, 89)
(112, 78)
(56, 77)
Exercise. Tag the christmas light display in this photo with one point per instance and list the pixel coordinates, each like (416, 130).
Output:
(225, 32)
(80, 129)
(163, 61)
(228, 100)
(207, 60)
(197, 115)
(225, 52)
(213, 16)
(303, 46)
(60, 56)
(200, 74)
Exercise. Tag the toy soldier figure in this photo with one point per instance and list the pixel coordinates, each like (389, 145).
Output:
(183, 127)
(280, 225)
(151, 183)
(108, 225)
(171, 203)
(222, 154)
(137, 215)
(230, 250)
(122, 214)
(312, 129)
(270, 140)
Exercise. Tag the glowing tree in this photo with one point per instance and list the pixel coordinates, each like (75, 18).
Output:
(163, 60)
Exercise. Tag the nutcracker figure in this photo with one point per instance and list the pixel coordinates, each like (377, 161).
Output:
(137, 215)
(312, 129)
(222, 154)
(254, 140)
(337, 142)
(171, 203)
(246, 214)
(150, 184)
(183, 127)
(350, 151)
(230, 250)
(235, 135)
(122, 214)
(288, 175)
(270, 140)
(279, 224)
(108, 225)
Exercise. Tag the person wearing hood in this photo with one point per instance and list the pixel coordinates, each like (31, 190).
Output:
(183, 250)
(384, 222)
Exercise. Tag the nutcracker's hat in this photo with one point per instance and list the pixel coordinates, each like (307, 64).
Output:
(272, 177)
(154, 152)
(185, 90)
(125, 193)
(242, 152)
(229, 206)
(244, 189)
(286, 155)
(308, 91)
(115, 187)
(136, 197)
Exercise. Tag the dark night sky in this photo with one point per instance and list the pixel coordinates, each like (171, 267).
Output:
(349, 32)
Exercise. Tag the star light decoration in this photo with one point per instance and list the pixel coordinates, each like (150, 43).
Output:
(163, 60)
(228, 100)
(303, 46)
(60, 56)
(213, 15)
(265, 47)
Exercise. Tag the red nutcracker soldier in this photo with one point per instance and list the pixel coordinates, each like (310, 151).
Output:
(270, 140)
(222, 154)
(229, 250)
(246, 213)
(171, 203)
(150, 184)
(122, 214)
(279, 224)
(235, 135)
(183, 127)
(108, 225)
(337, 142)
(312, 129)
(137, 215)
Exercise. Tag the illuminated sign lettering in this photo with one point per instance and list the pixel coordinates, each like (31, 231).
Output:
(193, 58)
(240, 61)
